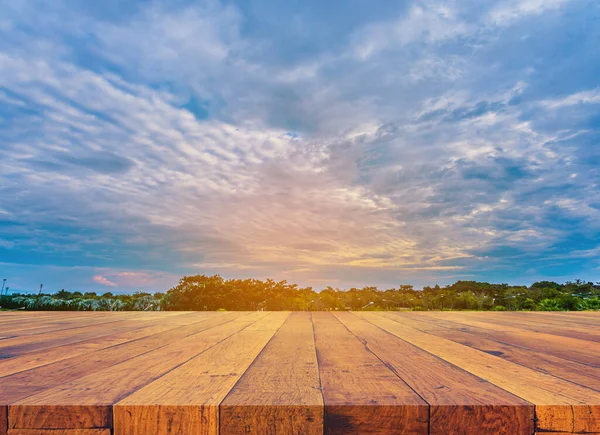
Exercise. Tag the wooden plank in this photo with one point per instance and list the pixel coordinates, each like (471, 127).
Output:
(51, 375)
(28, 383)
(22, 345)
(31, 327)
(281, 391)
(559, 316)
(187, 399)
(560, 405)
(563, 329)
(593, 314)
(571, 371)
(460, 403)
(43, 357)
(361, 394)
(552, 318)
(59, 432)
(86, 403)
(88, 319)
(60, 321)
(572, 349)
(38, 317)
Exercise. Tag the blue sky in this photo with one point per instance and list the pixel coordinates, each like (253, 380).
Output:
(327, 143)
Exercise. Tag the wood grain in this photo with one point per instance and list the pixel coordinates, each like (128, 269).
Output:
(361, 394)
(93, 395)
(450, 373)
(59, 432)
(186, 400)
(460, 403)
(571, 371)
(289, 399)
(559, 405)
(572, 349)
(43, 357)
(563, 329)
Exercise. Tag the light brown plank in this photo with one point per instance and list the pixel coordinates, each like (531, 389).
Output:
(361, 394)
(26, 383)
(86, 403)
(281, 391)
(22, 345)
(550, 318)
(460, 403)
(560, 405)
(512, 321)
(186, 400)
(572, 349)
(31, 327)
(30, 382)
(28, 361)
(571, 371)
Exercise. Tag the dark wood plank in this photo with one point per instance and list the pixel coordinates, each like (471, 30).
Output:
(281, 391)
(361, 394)
(564, 433)
(59, 432)
(186, 400)
(3, 420)
(460, 403)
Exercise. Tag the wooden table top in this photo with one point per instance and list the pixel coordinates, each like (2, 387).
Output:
(443, 373)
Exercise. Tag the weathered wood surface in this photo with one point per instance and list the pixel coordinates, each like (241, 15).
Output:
(451, 373)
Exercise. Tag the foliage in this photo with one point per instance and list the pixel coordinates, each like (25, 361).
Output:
(202, 292)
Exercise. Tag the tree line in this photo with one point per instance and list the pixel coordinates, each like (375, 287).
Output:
(210, 293)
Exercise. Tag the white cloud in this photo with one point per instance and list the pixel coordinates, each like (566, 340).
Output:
(584, 97)
(172, 42)
(326, 167)
(424, 23)
(510, 11)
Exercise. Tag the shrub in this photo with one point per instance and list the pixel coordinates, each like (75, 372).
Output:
(549, 305)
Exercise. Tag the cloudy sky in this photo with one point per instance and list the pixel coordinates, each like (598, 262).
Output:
(339, 143)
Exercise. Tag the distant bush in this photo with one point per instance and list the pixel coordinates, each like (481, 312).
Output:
(208, 293)
(589, 304)
(549, 305)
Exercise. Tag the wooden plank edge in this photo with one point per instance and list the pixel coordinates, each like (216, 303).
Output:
(3, 420)
(59, 432)
(60, 417)
(491, 419)
(272, 419)
(376, 419)
(129, 419)
(568, 418)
